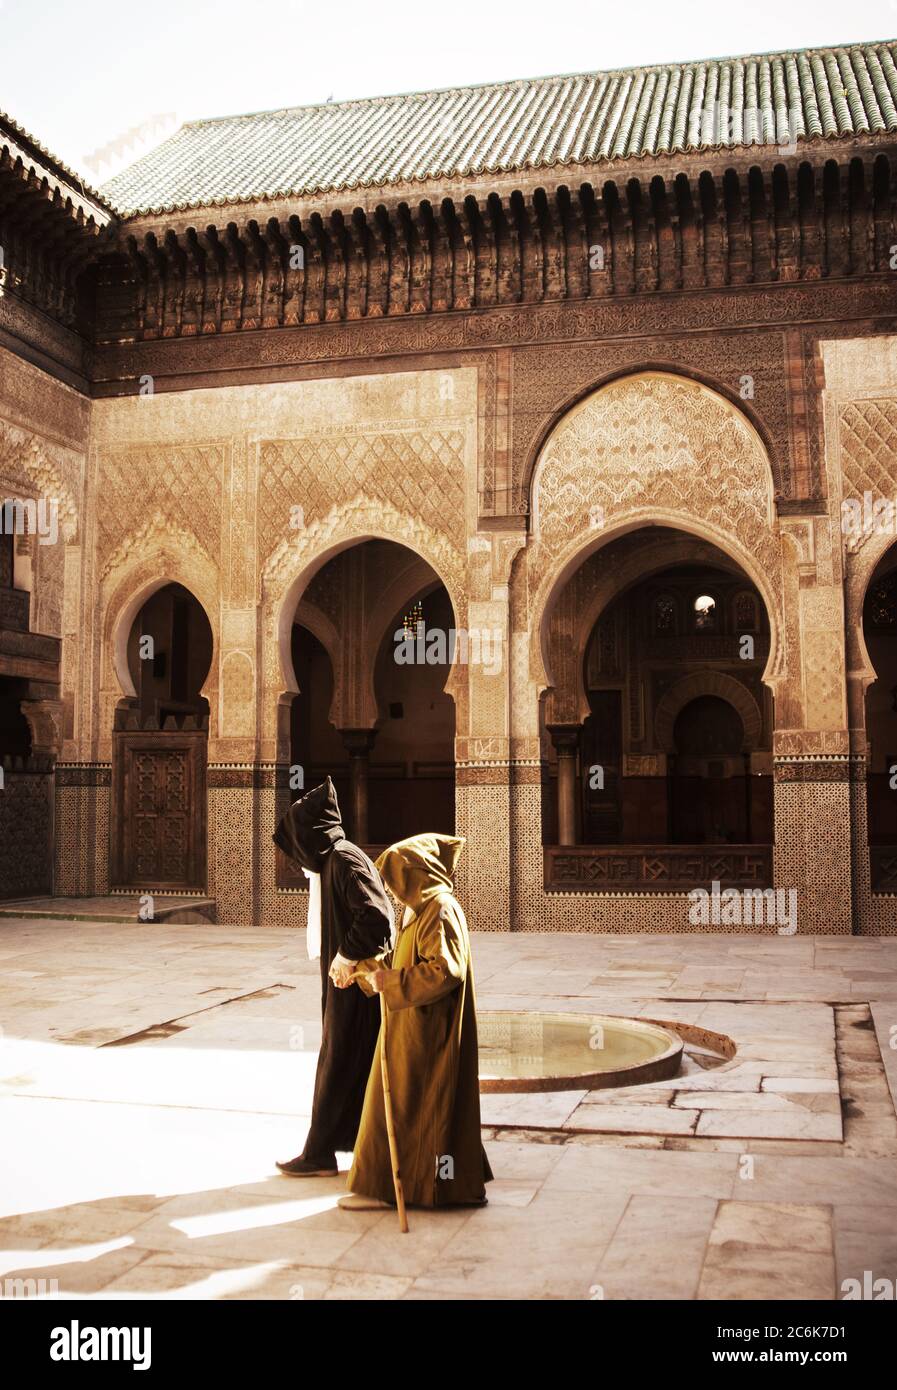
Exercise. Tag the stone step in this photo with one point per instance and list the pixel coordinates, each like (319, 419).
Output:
(116, 907)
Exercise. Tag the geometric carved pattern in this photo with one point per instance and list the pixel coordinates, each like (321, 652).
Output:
(651, 448)
(25, 806)
(26, 463)
(547, 377)
(420, 471)
(179, 487)
(239, 692)
(647, 868)
(160, 816)
(28, 471)
(655, 442)
(357, 518)
(868, 451)
(159, 810)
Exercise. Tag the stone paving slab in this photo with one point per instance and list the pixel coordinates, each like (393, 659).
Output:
(884, 1021)
(117, 907)
(169, 1189)
(637, 1265)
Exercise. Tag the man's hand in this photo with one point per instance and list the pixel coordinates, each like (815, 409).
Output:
(342, 970)
(377, 980)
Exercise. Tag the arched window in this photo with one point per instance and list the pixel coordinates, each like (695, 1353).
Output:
(880, 611)
(745, 612)
(665, 614)
(704, 610)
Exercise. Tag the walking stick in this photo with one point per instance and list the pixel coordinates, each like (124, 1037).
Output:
(387, 1109)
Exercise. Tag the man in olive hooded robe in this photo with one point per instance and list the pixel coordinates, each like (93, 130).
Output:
(356, 922)
(427, 982)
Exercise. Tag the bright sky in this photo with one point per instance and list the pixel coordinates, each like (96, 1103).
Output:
(79, 74)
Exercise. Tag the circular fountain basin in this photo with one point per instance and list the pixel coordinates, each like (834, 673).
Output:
(572, 1052)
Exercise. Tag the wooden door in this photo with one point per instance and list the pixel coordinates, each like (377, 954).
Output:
(158, 824)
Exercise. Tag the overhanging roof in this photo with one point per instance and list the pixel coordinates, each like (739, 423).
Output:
(503, 127)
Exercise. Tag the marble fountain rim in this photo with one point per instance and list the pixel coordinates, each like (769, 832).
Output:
(660, 1068)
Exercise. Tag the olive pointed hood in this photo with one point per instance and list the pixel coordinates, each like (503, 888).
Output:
(311, 827)
(420, 868)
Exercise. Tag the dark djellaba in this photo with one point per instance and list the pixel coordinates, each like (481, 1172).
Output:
(350, 919)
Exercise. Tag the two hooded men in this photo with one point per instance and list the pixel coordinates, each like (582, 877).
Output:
(426, 980)
(350, 919)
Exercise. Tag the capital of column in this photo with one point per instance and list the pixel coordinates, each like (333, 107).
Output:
(565, 738)
(45, 722)
(358, 742)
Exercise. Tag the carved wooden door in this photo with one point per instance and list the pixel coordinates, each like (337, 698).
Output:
(159, 811)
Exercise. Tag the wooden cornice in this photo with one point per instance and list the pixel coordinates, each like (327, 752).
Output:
(625, 236)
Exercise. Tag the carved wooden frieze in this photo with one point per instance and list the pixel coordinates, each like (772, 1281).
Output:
(653, 868)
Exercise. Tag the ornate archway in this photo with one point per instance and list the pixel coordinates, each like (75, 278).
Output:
(651, 449)
(702, 683)
(288, 572)
(387, 724)
(158, 736)
(126, 586)
(656, 471)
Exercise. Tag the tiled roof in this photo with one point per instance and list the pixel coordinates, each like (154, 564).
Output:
(510, 126)
(17, 144)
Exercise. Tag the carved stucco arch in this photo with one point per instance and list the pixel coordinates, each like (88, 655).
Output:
(742, 560)
(692, 687)
(294, 563)
(174, 560)
(309, 616)
(661, 368)
(651, 449)
(860, 566)
(32, 470)
(571, 705)
(25, 460)
(414, 581)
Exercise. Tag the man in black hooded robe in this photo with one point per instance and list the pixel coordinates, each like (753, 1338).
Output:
(356, 922)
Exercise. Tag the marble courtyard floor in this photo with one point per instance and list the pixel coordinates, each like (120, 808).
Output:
(151, 1074)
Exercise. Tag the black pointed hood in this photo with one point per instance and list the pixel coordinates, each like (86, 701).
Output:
(311, 827)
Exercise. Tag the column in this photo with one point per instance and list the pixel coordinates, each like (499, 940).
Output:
(565, 740)
(358, 744)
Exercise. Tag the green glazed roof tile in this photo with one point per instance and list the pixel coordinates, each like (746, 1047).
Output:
(514, 126)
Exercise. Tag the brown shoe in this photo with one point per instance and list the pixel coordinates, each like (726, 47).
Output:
(302, 1167)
